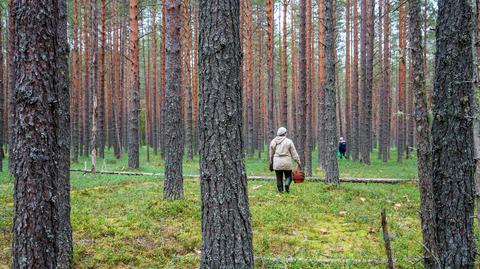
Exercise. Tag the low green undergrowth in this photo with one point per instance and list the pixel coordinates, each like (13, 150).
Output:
(123, 222)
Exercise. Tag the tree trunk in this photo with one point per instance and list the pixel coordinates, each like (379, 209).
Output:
(134, 108)
(294, 64)
(401, 83)
(2, 93)
(187, 80)
(101, 86)
(42, 234)
(452, 135)
(87, 79)
(385, 91)
(163, 77)
(226, 229)
(248, 65)
(173, 188)
(354, 140)
(424, 146)
(155, 112)
(117, 148)
(77, 84)
(11, 84)
(309, 83)
(331, 165)
(94, 84)
(270, 68)
(348, 113)
(302, 86)
(261, 87)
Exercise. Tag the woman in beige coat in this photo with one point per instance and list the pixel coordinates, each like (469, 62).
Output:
(283, 151)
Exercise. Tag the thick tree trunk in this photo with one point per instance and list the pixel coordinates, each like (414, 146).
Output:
(134, 108)
(452, 135)
(173, 188)
(331, 165)
(42, 234)
(226, 229)
(424, 138)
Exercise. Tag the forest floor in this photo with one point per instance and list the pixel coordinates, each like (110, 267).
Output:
(122, 221)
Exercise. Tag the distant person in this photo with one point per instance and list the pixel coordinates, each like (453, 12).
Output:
(342, 148)
(282, 151)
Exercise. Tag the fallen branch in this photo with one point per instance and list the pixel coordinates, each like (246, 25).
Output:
(325, 261)
(386, 238)
(313, 179)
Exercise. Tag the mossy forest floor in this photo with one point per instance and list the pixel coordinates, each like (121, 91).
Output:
(122, 221)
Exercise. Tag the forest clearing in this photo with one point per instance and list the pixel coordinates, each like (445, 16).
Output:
(122, 221)
(239, 134)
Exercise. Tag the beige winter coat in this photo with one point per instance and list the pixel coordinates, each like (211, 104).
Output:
(284, 153)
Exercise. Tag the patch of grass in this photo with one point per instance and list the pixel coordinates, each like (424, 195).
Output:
(123, 222)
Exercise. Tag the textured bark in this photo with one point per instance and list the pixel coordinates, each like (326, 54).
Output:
(11, 83)
(226, 229)
(452, 135)
(146, 77)
(302, 86)
(42, 234)
(173, 188)
(134, 107)
(368, 27)
(331, 165)
(270, 69)
(423, 134)
(354, 140)
(401, 109)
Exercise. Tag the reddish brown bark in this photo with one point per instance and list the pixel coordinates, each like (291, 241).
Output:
(401, 109)
(347, 76)
(134, 107)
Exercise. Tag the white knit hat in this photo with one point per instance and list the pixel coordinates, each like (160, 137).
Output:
(281, 131)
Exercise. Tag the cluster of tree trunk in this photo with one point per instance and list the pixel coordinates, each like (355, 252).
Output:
(53, 105)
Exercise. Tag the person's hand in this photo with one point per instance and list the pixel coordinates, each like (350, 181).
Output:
(299, 163)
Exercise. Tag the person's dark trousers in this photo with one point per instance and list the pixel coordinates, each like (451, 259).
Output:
(288, 179)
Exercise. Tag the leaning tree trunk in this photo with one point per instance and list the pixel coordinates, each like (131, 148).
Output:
(42, 234)
(452, 135)
(226, 229)
(423, 134)
(331, 165)
(173, 188)
(134, 108)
